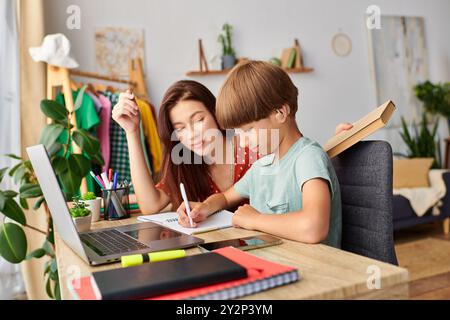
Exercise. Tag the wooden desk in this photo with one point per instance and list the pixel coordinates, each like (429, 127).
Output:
(326, 272)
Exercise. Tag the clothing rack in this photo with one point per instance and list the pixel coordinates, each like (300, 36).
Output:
(58, 77)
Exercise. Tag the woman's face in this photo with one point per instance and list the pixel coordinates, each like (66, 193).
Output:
(194, 126)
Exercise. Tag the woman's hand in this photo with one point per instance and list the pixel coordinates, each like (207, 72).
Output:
(126, 112)
(343, 127)
(199, 212)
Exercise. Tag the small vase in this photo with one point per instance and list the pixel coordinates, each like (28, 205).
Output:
(228, 61)
(83, 224)
(94, 206)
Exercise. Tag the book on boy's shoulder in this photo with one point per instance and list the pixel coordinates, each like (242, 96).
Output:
(225, 273)
(362, 128)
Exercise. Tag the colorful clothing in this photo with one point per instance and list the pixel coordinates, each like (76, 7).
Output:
(103, 130)
(151, 134)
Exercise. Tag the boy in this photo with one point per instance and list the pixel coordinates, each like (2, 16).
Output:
(293, 189)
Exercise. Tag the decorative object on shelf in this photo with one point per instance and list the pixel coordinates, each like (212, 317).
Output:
(81, 215)
(228, 52)
(294, 53)
(341, 44)
(292, 58)
(275, 61)
(202, 57)
(394, 49)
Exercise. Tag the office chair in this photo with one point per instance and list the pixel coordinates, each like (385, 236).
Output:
(365, 177)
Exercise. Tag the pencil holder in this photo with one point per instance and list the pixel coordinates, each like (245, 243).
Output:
(116, 203)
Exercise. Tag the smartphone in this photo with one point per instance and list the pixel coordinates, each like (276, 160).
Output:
(244, 244)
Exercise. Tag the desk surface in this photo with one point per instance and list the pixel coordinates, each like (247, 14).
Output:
(326, 272)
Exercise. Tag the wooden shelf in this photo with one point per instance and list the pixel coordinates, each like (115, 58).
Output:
(219, 72)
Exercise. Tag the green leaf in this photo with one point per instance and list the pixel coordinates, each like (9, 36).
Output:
(38, 253)
(14, 169)
(98, 159)
(2, 173)
(38, 203)
(86, 142)
(53, 266)
(30, 190)
(50, 134)
(19, 174)
(60, 165)
(10, 194)
(13, 243)
(48, 287)
(54, 149)
(48, 248)
(2, 200)
(79, 164)
(70, 182)
(24, 203)
(56, 290)
(13, 156)
(79, 100)
(53, 110)
(12, 210)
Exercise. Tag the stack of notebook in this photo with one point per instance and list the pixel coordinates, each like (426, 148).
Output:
(226, 273)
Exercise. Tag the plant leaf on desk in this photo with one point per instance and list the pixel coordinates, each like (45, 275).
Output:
(2, 173)
(13, 243)
(30, 190)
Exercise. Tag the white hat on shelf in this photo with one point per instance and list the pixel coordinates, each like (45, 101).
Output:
(55, 50)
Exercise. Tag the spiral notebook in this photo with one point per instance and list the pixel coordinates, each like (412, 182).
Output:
(261, 275)
(219, 220)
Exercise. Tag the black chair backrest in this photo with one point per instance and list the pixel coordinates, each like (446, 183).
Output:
(365, 177)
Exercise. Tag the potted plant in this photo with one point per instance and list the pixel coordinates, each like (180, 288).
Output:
(69, 168)
(423, 154)
(94, 203)
(228, 53)
(81, 215)
(435, 97)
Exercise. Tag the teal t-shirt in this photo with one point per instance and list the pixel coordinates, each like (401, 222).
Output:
(275, 187)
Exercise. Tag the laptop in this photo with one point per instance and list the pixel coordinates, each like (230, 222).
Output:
(103, 245)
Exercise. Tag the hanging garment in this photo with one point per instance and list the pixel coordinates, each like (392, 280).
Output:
(119, 158)
(103, 130)
(87, 119)
(151, 134)
(97, 103)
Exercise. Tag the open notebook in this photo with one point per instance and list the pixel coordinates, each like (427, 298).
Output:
(219, 220)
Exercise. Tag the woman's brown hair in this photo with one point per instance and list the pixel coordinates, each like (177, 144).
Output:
(194, 175)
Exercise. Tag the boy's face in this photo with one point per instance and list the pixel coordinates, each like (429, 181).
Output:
(261, 136)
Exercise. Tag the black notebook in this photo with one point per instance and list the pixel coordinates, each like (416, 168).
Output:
(154, 279)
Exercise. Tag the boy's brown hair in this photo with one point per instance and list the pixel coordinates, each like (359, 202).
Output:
(252, 91)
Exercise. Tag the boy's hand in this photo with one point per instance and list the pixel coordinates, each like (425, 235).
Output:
(343, 127)
(199, 212)
(245, 217)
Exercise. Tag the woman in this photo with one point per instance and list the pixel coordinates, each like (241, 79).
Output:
(187, 115)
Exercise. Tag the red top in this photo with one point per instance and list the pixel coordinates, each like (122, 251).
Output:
(243, 160)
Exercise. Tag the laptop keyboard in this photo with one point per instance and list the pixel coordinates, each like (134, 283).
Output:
(109, 242)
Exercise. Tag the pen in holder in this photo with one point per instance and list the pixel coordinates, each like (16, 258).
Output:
(116, 203)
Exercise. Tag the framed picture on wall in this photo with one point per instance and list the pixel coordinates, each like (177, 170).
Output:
(399, 61)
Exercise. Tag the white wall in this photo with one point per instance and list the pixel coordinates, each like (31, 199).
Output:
(340, 89)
